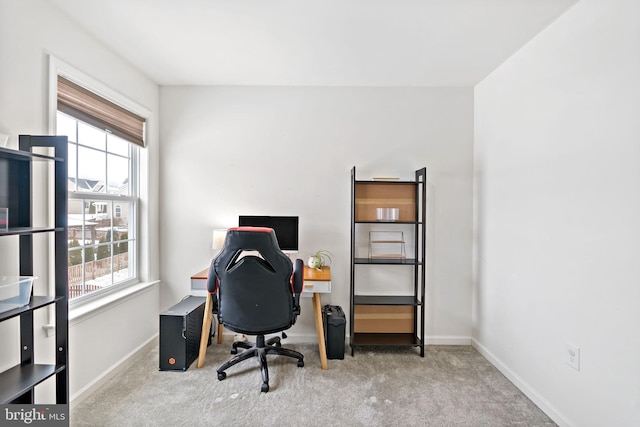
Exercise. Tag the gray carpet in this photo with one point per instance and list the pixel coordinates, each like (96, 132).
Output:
(450, 386)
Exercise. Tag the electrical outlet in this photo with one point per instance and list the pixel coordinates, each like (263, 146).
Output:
(573, 356)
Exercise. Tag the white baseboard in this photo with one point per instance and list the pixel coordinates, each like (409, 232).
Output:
(114, 370)
(525, 388)
(447, 340)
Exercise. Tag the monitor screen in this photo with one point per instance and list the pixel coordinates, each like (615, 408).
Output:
(285, 227)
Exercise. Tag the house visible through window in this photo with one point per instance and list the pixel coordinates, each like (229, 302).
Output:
(103, 198)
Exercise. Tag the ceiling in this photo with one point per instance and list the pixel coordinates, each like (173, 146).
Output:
(315, 42)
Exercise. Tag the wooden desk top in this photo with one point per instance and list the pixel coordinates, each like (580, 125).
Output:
(322, 275)
(204, 274)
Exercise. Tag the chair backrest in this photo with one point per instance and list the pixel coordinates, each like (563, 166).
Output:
(253, 282)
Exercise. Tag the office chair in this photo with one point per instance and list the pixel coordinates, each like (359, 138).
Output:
(258, 292)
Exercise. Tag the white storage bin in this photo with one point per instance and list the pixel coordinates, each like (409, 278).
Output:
(15, 291)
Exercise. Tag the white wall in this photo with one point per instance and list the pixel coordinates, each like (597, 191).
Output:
(289, 150)
(557, 215)
(29, 32)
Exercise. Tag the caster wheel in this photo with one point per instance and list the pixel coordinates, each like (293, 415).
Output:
(222, 375)
(234, 351)
(264, 388)
(300, 363)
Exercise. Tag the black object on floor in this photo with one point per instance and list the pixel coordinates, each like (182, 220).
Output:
(334, 323)
(180, 330)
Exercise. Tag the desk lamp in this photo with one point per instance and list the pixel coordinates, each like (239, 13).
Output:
(219, 235)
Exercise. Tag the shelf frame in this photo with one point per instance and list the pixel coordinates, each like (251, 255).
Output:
(17, 384)
(410, 198)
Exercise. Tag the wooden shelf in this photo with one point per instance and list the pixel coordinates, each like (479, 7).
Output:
(370, 195)
(383, 319)
(20, 379)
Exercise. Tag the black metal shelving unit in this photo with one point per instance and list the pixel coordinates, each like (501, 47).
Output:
(16, 193)
(389, 320)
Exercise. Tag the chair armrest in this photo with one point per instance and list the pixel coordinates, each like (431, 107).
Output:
(212, 280)
(297, 284)
(298, 276)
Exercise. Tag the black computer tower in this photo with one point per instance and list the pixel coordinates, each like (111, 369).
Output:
(334, 323)
(180, 330)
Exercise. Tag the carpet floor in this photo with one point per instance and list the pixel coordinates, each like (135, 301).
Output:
(450, 386)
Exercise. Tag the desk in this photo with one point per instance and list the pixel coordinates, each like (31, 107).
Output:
(316, 282)
(199, 282)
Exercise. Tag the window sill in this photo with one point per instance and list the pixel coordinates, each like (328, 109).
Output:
(91, 308)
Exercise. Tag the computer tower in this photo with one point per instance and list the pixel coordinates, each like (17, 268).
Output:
(180, 330)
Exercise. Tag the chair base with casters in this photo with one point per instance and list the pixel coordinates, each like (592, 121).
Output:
(260, 349)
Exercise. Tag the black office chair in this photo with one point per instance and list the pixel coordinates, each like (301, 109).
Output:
(258, 292)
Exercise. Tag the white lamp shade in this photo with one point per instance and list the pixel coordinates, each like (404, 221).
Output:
(219, 234)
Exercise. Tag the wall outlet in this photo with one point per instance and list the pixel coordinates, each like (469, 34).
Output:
(573, 356)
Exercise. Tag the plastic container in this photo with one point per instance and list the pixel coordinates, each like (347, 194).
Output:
(15, 292)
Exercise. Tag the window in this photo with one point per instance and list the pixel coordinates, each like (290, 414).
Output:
(102, 190)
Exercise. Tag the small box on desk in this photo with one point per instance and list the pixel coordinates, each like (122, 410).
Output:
(180, 330)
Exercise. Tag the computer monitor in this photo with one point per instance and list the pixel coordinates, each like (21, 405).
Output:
(285, 227)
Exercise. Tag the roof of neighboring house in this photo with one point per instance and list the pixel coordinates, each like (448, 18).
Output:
(84, 184)
(97, 186)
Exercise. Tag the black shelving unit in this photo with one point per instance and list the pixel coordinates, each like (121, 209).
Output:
(16, 193)
(389, 320)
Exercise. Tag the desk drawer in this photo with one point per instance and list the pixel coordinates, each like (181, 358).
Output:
(311, 286)
(198, 284)
(383, 318)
